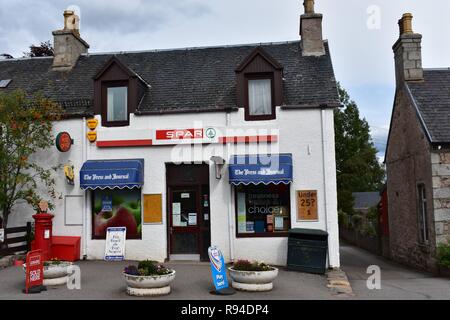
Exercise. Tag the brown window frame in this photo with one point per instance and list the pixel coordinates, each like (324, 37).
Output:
(260, 76)
(104, 104)
(283, 234)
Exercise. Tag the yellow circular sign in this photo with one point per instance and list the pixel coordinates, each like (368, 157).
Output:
(92, 136)
(92, 123)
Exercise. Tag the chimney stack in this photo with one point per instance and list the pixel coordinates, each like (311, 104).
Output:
(408, 52)
(67, 43)
(311, 31)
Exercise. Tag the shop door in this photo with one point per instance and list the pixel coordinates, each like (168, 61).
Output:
(185, 222)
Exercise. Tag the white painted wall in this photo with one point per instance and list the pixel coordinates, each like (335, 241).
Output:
(307, 134)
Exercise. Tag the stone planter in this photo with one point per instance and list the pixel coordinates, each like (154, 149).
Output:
(148, 285)
(55, 274)
(253, 280)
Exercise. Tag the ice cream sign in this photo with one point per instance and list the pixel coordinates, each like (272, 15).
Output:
(218, 268)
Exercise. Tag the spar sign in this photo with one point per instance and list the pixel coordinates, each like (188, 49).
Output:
(34, 270)
(218, 268)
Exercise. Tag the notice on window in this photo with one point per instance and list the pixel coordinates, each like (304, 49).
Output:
(192, 219)
(185, 195)
(176, 208)
(242, 214)
(176, 220)
(279, 223)
(307, 205)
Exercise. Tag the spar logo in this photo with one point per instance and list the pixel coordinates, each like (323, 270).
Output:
(215, 256)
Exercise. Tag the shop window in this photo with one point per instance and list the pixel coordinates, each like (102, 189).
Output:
(423, 222)
(262, 210)
(116, 208)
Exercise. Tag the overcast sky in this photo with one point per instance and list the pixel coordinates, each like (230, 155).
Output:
(361, 34)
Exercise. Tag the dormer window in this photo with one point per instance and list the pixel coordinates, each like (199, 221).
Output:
(260, 100)
(118, 90)
(116, 102)
(259, 86)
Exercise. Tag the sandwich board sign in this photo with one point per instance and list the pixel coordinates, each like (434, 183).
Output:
(115, 243)
(218, 269)
(34, 272)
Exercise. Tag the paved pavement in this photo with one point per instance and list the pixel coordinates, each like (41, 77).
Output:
(397, 282)
(102, 280)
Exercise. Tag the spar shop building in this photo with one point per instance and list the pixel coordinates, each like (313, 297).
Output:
(229, 146)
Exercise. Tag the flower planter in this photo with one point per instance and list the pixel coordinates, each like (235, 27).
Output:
(256, 281)
(149, 285)
(54, 274)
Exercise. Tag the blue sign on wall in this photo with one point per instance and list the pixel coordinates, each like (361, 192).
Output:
(218, 268)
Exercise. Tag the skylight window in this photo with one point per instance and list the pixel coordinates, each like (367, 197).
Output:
(4, 83)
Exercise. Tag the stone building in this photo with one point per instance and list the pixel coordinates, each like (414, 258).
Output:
(418, 155)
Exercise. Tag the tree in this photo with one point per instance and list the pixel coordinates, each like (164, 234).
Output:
(358, 169)
(45, 49)
(25, 129)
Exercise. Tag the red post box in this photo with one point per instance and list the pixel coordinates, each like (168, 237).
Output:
(43, 234)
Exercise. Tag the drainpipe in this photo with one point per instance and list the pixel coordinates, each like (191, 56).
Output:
(230, 203)
(85, 198)
(323, 124)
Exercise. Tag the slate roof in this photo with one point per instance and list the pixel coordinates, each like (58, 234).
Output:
(432, 98)
(365, 200)
(191, 79)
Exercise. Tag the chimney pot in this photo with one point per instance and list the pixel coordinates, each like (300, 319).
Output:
(309, 6)
(406, 22)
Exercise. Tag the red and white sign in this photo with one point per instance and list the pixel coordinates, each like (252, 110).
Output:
(179, 134)
(207, 135)
(35, 270)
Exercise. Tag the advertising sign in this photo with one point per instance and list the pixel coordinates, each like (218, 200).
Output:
(218, 268)
(34, 270)
(115, 243)
(307, 205)
(63, 141)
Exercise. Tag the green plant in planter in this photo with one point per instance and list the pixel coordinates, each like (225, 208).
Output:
(52, 262)
(147, 268)
(246, 265)
(443, 255)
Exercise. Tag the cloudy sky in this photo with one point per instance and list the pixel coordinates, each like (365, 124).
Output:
(360, 32)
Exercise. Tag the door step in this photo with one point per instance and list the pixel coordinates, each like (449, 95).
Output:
(184, 257)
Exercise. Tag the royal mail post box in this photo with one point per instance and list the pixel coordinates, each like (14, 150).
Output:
(43, 227)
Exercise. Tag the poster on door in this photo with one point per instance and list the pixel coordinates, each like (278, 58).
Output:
(307, 205)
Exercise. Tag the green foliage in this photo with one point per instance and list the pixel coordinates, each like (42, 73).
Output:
(357, 165)
(443, 255)
(25, 128)
(147, 268)
(246, 265)
(343, 219)
(356, 220)
(44, 49)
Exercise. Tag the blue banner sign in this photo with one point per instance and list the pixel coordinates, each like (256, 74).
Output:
(110, 174)
(260, 169)
(218, 268)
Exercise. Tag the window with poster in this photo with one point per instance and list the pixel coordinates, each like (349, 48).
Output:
(116, 208)
(262, 210)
